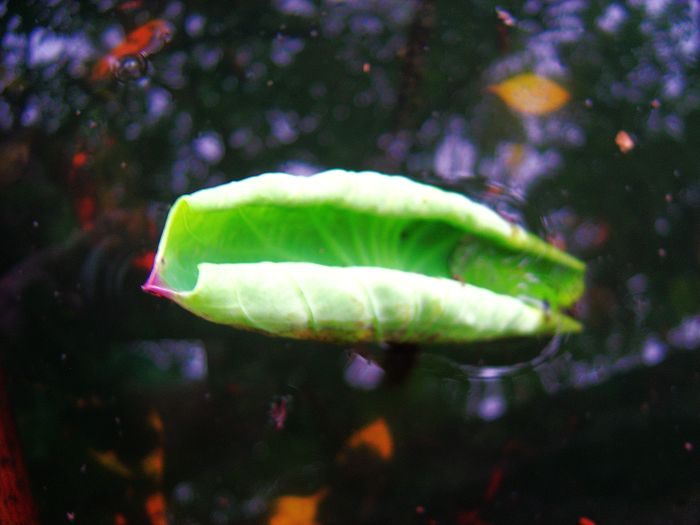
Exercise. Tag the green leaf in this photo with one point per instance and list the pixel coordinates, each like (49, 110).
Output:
(343, 256)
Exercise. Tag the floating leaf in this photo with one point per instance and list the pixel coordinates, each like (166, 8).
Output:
(297, 510)
(344, 256)
(531, 94)
(376, 437)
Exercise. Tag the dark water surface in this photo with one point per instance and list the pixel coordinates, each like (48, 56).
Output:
(130, 410)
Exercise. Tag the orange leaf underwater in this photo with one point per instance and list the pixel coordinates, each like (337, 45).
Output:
(531, 94)
(375, 436)
(297, 510)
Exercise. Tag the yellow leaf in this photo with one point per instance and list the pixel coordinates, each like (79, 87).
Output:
(297, 510)
(152, 464)
(376, 436)
(111, 462)
(155, 421)
(531, 94)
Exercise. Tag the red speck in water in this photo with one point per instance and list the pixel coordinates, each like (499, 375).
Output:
(130, 5)
(79, 159)
(16, 504)
(494, 483)
(494, 190)
(420, 509)
(77, 163)
(470, 517)
(688, 446)
(278, 412)
(366, 67)
(86, 212)
(585, 521)
(144, 261)
(70, 516)
(119, 519)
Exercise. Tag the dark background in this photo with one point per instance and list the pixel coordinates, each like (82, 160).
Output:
(603, 425)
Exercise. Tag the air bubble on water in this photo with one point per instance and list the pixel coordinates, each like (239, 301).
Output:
(685, 335)
(179, 183)
(184, 492)
(159, 103)
(194, 24)
(653, 351)
(284, 49)
(45, 47)
(6, 116)
(492, 408)
(207, 57)
(454, 157)
(486, 399)
(209, 147)
(283, 125)
(612, 18)
(364, 24)
(662, 226)
(300, 168)
(31, 113)
(303, 8)
(112, 36)
(239, 137)
(132, 131)
(130, 67)
(309, 123)
(637, 284)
